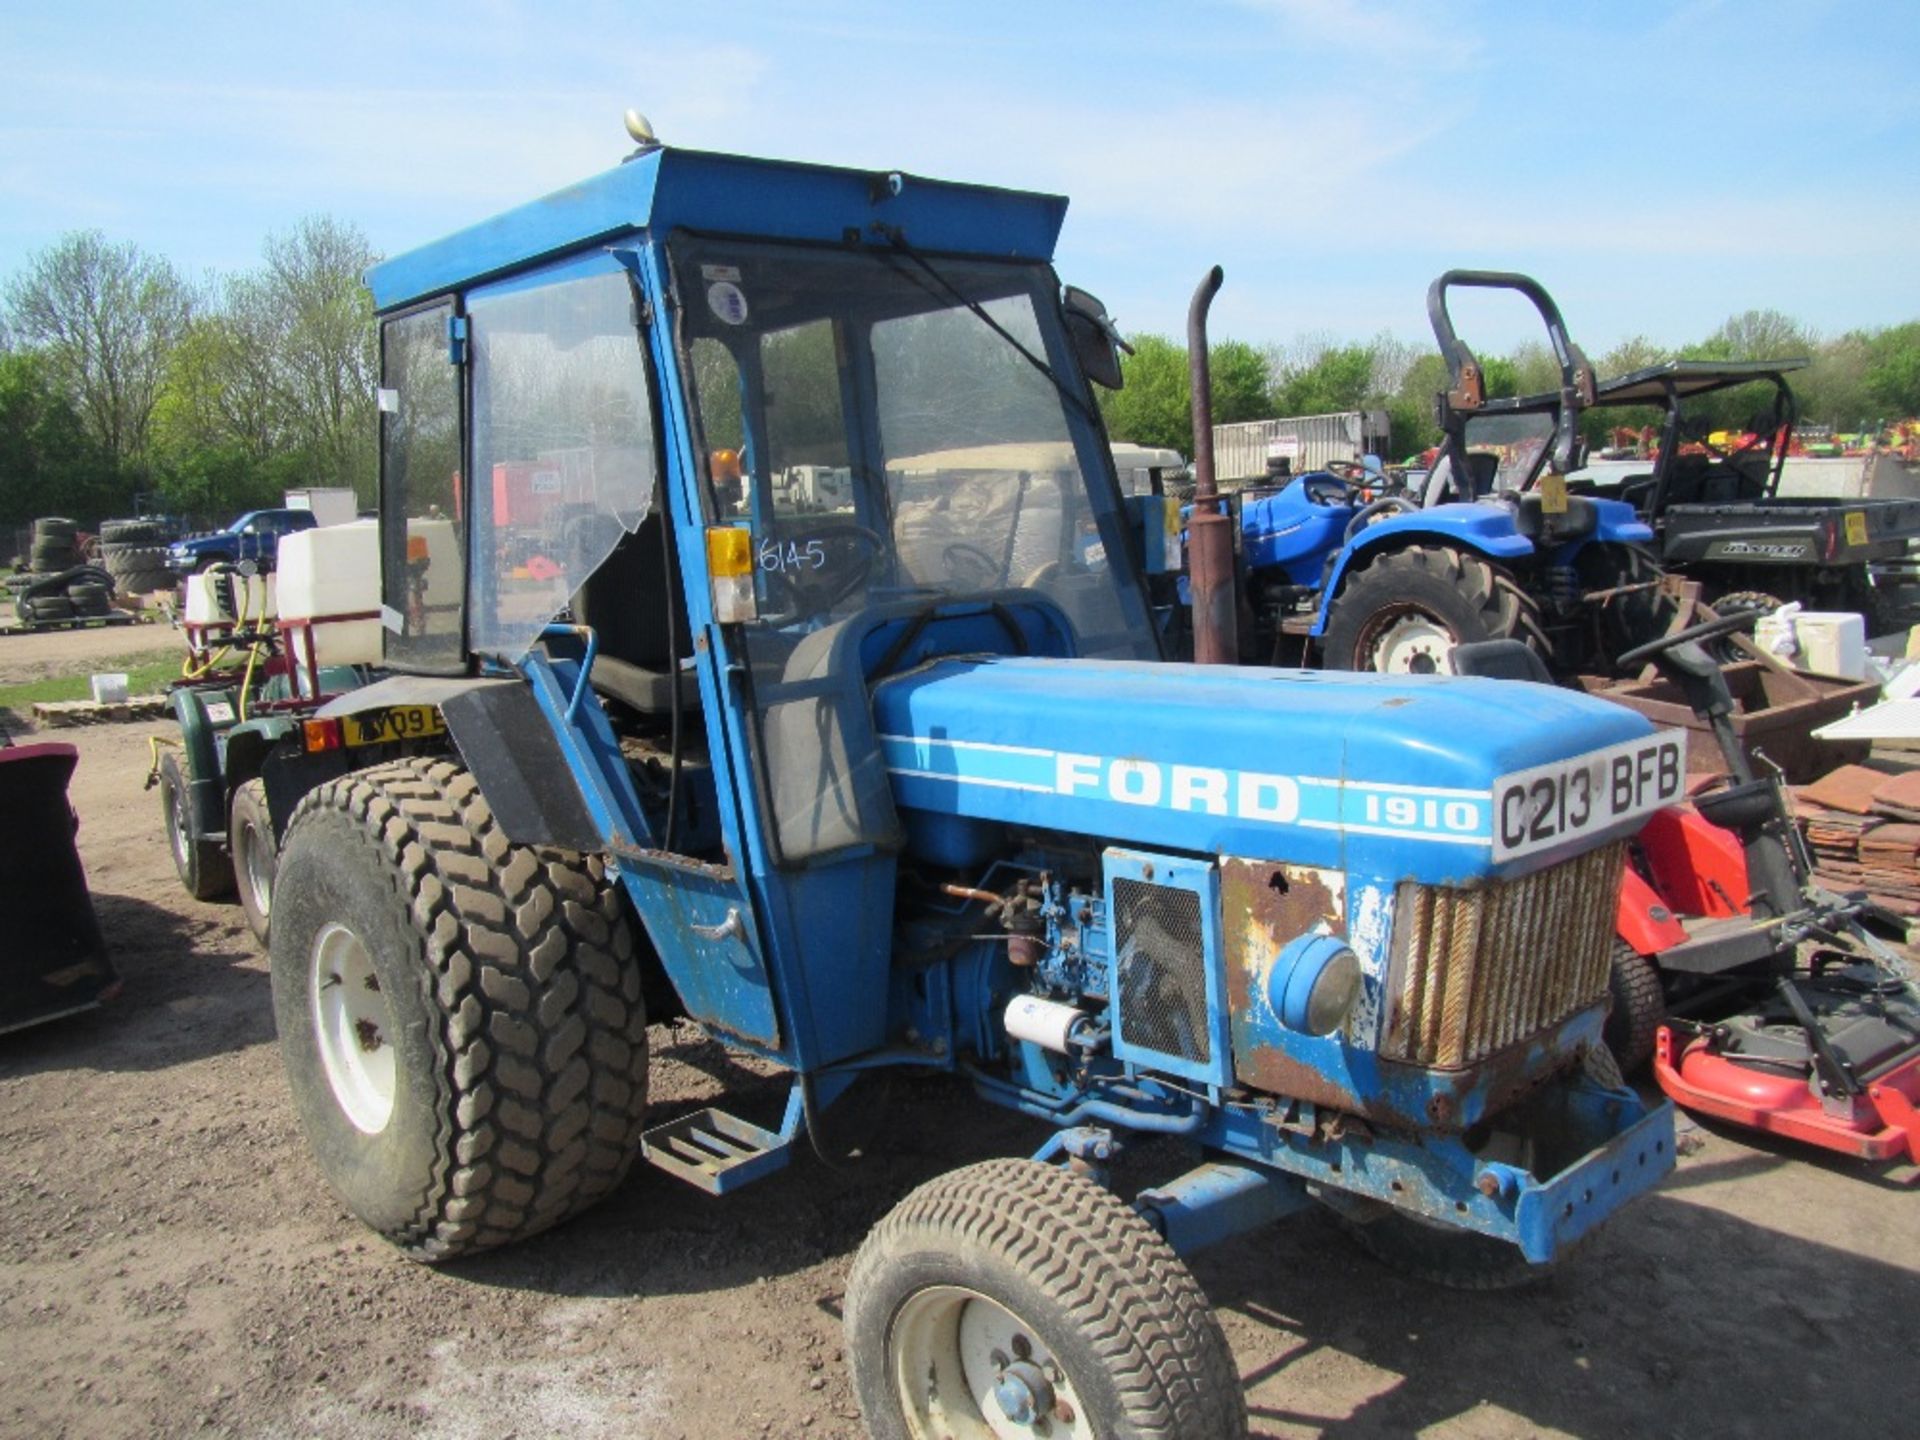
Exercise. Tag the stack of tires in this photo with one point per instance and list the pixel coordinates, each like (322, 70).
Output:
(53, 545)
(77, 593)
(135, 554)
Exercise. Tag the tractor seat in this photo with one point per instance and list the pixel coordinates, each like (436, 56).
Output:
(650, 692)
(1501, 660)
(642, 643)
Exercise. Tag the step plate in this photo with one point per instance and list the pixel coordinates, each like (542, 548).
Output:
(714, 1150)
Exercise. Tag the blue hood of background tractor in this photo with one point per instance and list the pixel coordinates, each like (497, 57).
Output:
(1387, 776)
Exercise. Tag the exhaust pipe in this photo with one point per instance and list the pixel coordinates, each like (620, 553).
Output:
(1216, 637)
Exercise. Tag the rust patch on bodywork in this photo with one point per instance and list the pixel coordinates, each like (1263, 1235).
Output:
(1262, 907)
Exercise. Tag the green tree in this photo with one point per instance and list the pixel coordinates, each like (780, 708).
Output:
(1892, 371)
(1339, 378)
(48, 463)
(1833, 390)
(107, 318)
(1155, 405)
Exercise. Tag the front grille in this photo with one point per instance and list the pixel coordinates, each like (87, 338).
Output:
(1476, 970)
(1161, 970)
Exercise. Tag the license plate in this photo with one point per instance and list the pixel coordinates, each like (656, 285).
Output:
(1550, 805)
(396, 722)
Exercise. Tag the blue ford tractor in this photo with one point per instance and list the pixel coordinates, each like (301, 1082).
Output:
(902, 783)
(1487, 546)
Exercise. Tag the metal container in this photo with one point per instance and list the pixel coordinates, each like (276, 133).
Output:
(1310, 442)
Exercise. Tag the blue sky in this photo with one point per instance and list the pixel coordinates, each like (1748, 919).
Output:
(1658, 166)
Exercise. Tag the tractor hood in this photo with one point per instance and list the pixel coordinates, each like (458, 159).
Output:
(1438, 779)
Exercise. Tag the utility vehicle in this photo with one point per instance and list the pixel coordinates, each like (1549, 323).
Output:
(905, 784)
(1716, 511)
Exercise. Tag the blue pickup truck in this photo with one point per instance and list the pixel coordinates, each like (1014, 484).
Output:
(252, 537)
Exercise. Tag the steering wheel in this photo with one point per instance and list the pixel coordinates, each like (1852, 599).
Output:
(1377, 510)
(1706, 630)
(1329, 488)
(795, 562)
(969, 566)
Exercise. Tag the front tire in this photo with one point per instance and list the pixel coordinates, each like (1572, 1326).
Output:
(1407, 612)
(250, 842)
(202, 865)
(1013, 1298)
(459, 1016)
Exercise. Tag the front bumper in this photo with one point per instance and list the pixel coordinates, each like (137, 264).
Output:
(1595, 1148)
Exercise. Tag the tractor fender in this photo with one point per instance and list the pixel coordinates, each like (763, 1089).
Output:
(206, 791)
(507, 745)
(1615, 523)
(1484, 528)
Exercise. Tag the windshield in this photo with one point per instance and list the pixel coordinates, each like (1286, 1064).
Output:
(888, 429)
(1516, 443)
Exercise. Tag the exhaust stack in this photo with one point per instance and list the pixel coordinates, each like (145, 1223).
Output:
(1216, 638)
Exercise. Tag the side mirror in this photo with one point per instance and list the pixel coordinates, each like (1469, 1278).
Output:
(1095, 341)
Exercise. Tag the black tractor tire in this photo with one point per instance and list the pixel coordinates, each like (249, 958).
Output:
(1739, 602)
(1086, 1287)
(250, 843)
(145, 582)
(90, 599)
(1639, 1007)
(130, 532)
(509, 993)
(203, 867)
(1623, 621)
(1466, 596)
(135, 558)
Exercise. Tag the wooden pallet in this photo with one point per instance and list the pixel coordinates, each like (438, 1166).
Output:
(59, 714)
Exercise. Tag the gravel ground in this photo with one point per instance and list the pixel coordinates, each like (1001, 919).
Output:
(171, 1262)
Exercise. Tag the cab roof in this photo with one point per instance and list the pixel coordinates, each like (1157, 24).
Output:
(664, 189)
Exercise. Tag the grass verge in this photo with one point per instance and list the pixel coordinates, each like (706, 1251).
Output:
(145, 676)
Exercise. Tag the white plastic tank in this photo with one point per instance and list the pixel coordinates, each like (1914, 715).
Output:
(332, 571)
(432, 538)
(226, 597)
(1826, 642)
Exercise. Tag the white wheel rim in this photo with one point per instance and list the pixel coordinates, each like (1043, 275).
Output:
(256, 867)
(177, 825)
(353, 1028)
(967, 1368)
(1414, 644)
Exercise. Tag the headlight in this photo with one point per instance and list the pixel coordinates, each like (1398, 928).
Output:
(1314, 983)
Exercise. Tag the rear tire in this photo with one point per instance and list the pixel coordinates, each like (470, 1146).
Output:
(1030, 1275)
(1639, 1007)
(1407, 611)
(481, 1073)
(250, 842)
(202, 865)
